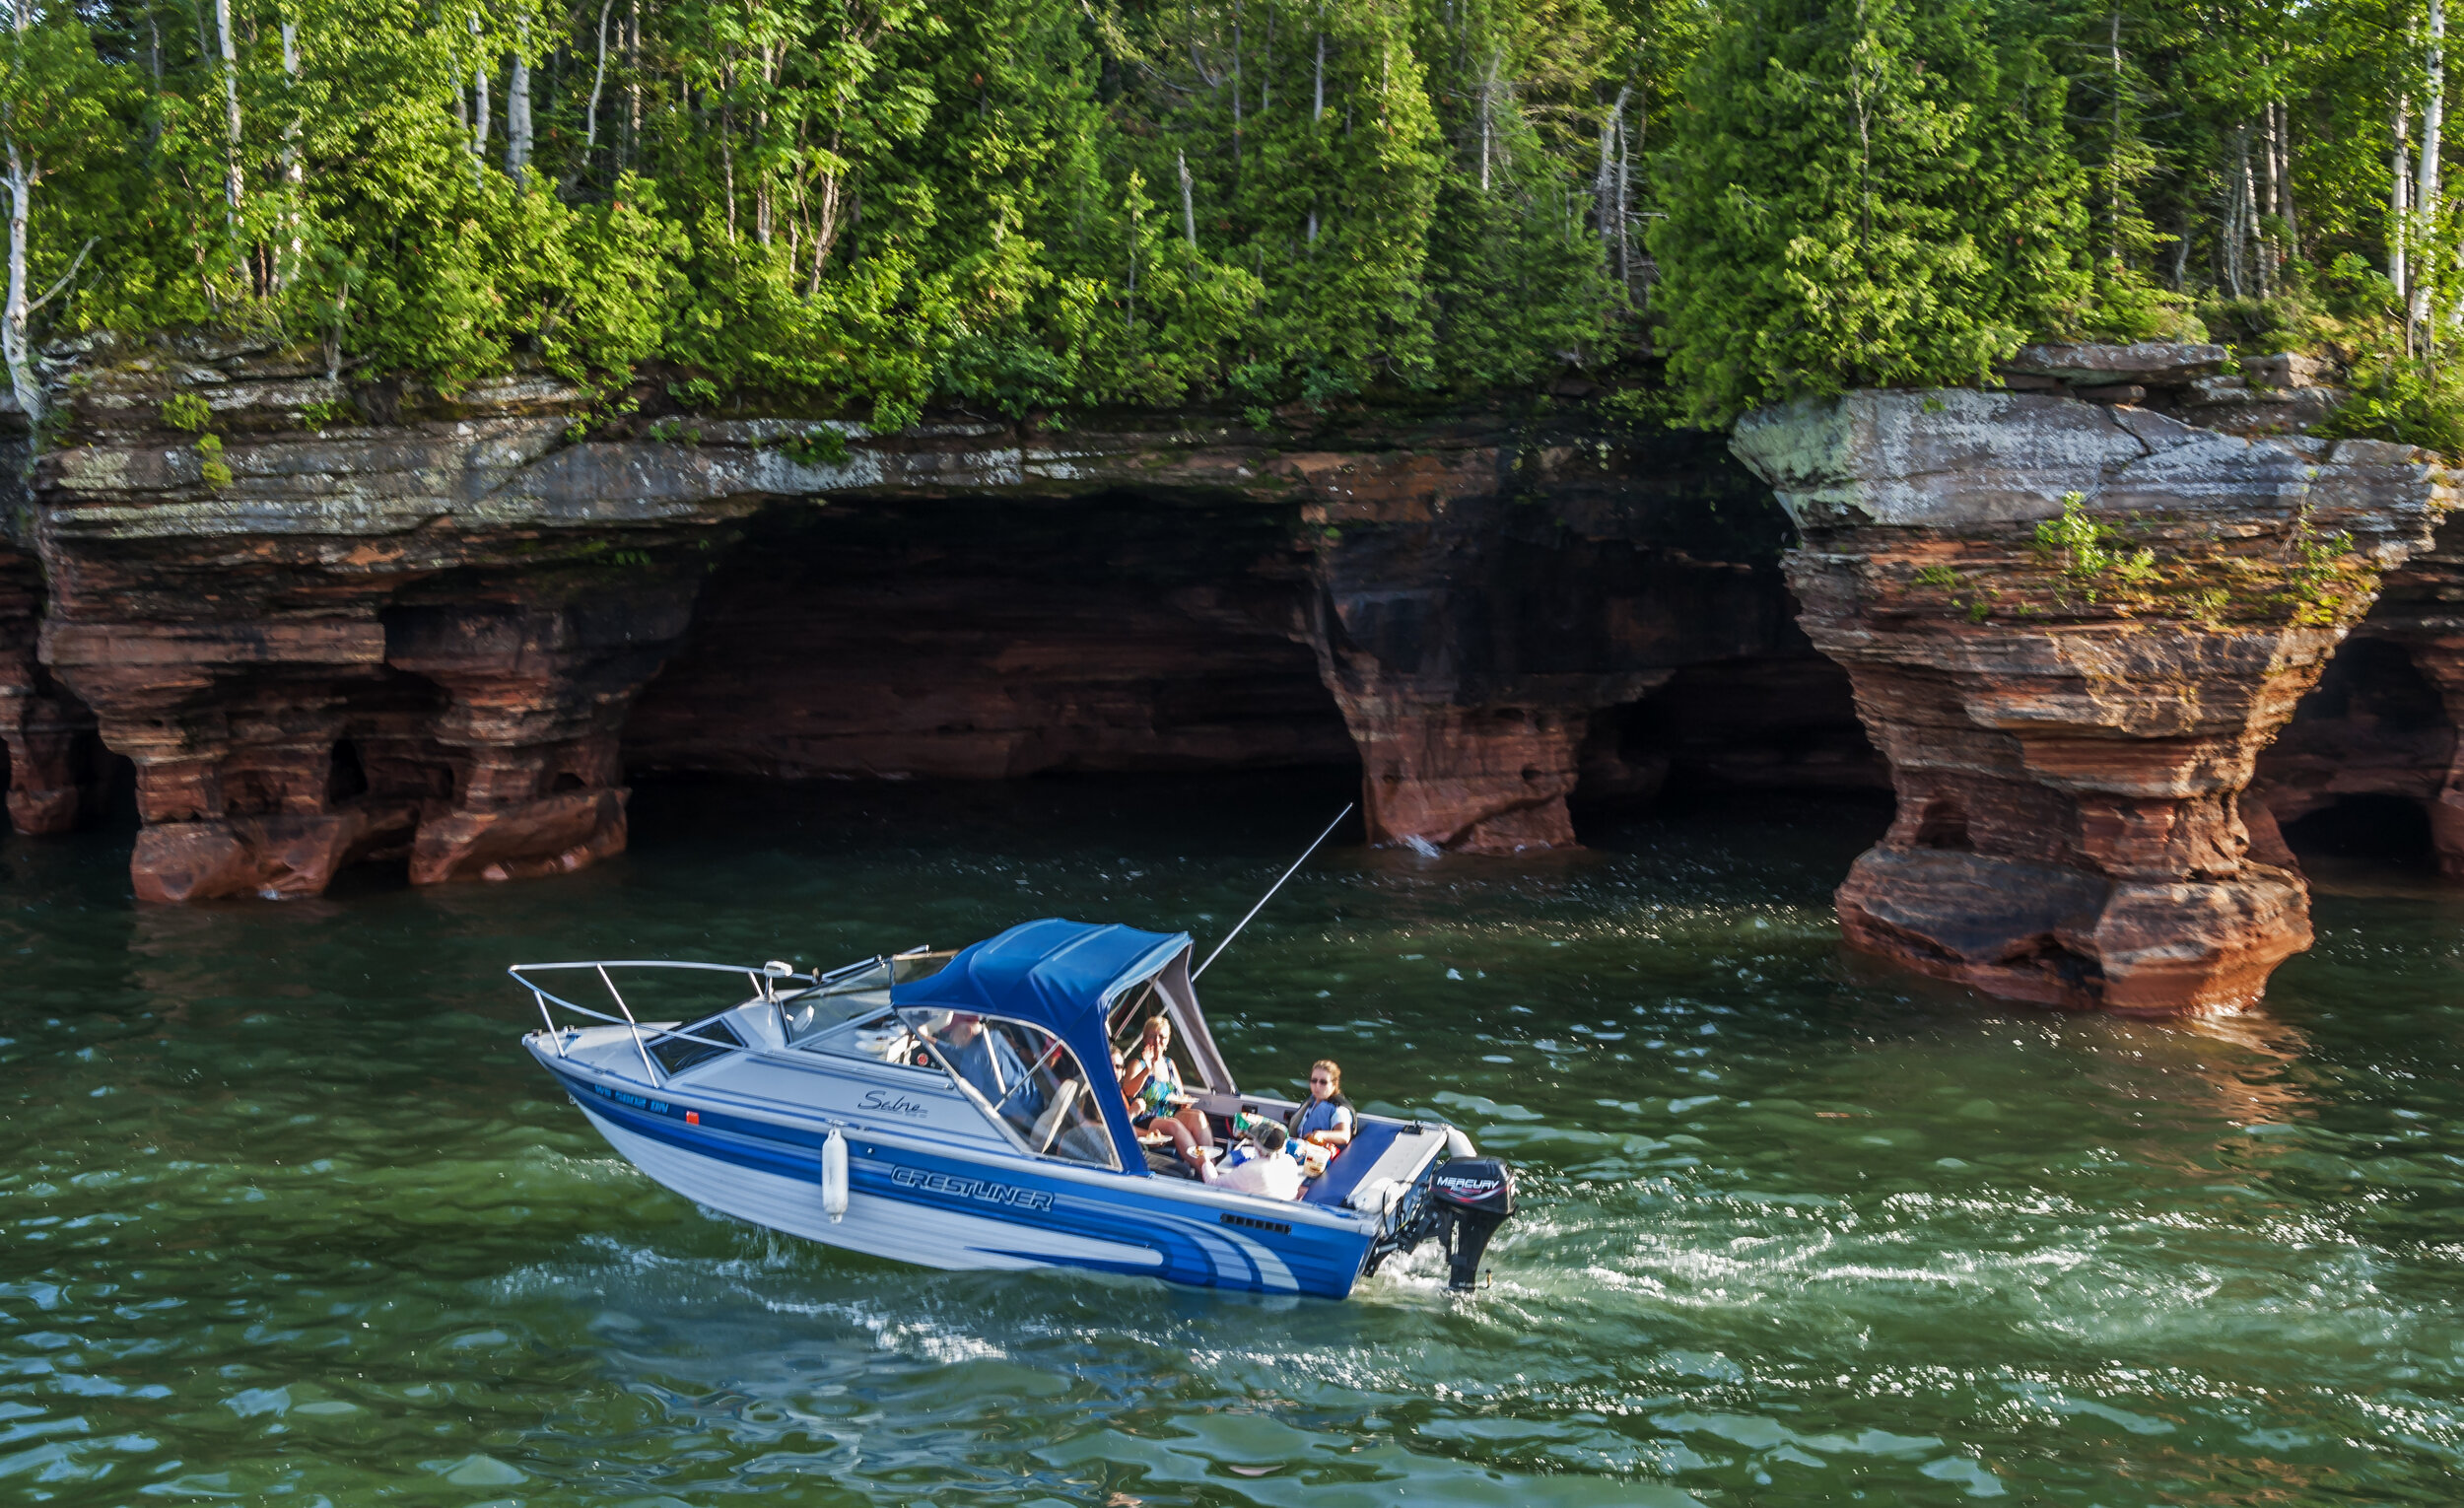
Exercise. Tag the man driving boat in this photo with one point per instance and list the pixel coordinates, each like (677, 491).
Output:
(986, 1060)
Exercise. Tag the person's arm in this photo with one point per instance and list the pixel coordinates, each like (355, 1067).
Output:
(1339, 1134)
(1135, 1080)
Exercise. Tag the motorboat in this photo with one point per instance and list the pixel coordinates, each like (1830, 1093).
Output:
(964, 1111)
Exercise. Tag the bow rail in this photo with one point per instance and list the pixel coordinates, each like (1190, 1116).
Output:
(766, 981)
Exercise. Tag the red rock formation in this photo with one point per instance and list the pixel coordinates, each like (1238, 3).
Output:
(381, 640)
(1477, 606)
(420, 632)
(2385, 720)
(45, 734)
(2069, 720)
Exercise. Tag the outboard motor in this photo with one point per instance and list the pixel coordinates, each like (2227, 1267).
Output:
(1469, 1198)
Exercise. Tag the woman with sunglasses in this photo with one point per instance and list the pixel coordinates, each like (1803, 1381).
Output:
(1327, 1119)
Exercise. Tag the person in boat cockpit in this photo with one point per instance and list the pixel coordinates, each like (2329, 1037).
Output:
(1327, 1119)
(1268, 1175)
(985, 1059)
(1152, 1085)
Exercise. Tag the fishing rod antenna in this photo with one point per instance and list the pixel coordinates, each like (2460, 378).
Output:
(1272, 889)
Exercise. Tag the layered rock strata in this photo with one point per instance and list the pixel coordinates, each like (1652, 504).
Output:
(45, 735)
(2384, 719)
(2071, 628)
(331, 624)
(318, 646)
(1489, 619)
(46, 757)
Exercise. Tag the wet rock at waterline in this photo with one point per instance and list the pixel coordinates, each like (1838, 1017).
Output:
(2071, 628)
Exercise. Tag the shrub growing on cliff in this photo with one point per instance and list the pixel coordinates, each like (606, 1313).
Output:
(1865, 193)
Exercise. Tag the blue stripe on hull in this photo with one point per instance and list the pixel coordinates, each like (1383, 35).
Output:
(1189, 1242)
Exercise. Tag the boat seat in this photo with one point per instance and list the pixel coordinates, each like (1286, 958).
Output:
(1379, 1150)
(1047, 1126)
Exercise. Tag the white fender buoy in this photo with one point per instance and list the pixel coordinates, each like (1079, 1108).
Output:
(834, 1177)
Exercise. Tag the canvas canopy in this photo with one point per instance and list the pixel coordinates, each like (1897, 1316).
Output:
(1066, 977)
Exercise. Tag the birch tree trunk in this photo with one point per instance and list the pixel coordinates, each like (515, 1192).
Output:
(2283, 176)
(2113, 153)
(518, 111)
(2228, 247)
(2425, 215)
(1626, 168)
(2399, 199)
(2270, 254)
(234, 182)
(761, 138)
(599, 79)
(2252, 232)
(294, 175)
(17, 315)
(479, 119)
(1189, 205)
(1317, 109)
(633, 88)
(1605, 188)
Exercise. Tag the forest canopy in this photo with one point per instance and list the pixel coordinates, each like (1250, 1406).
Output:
(1038, 204)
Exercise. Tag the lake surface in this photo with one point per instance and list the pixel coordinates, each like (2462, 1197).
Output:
(291, 1217)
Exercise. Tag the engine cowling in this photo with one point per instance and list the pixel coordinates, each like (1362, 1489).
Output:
(1471, 1197)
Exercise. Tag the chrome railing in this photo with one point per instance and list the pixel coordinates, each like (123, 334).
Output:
(763, 980)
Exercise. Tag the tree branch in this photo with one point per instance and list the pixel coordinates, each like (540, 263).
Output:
(79, 261)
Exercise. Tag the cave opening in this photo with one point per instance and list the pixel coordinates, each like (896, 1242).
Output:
(2374, 682)
(346, 777)
(997, 638)
(1726, 730)
(2370, 827)
(1944, 825)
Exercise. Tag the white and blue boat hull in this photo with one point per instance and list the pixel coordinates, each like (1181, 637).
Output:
(940, 1208)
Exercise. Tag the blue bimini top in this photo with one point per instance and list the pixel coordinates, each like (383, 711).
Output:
(1061, 976)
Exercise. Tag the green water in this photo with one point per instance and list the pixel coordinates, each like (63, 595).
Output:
(290, 1217)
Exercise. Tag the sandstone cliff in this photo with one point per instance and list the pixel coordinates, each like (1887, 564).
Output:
(328, 626)
(2072, 627)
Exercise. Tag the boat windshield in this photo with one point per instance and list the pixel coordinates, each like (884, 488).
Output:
(863, 991)
(1025, 1078)
(857, 990)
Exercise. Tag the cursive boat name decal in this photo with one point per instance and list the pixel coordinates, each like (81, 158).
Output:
(890, 1103)
(971, 1189)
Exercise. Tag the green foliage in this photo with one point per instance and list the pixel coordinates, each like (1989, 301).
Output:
(2095, 559)
(820, 446)
(1867, 192)
(2412, 400)
(1024, 206)
(2317, 574)
(186, 411)
(317, 416)
(210, 462)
